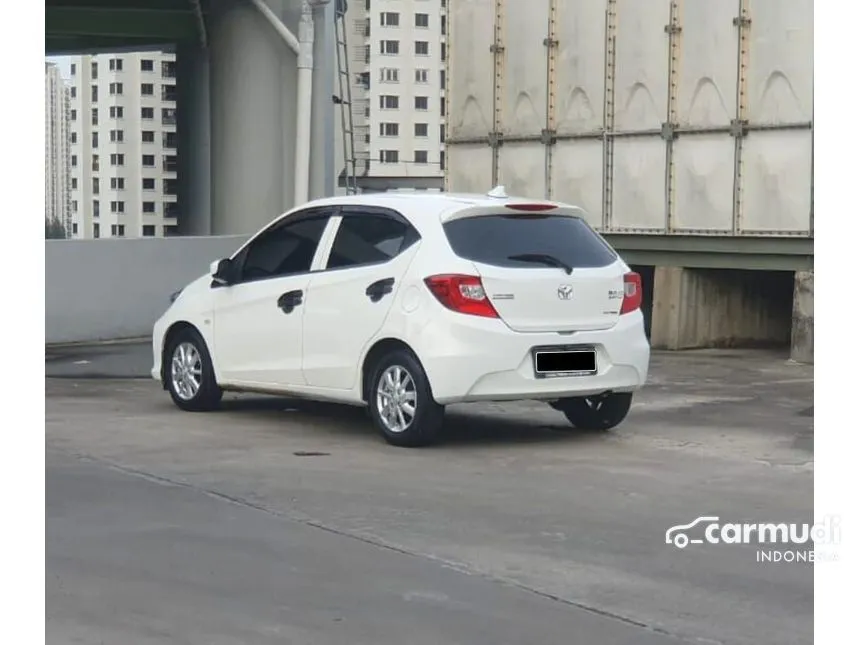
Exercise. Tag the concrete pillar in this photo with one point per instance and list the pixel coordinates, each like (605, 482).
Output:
(322, 172)
(193, 133)
(696, 308)
(253, 111)
(803, 317)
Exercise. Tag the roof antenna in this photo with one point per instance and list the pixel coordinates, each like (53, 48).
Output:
(498, 192)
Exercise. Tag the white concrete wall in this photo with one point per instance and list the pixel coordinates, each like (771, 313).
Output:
(116, 288)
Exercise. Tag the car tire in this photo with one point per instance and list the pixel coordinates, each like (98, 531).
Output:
(188, 373)
(398, 380)
(602, 412)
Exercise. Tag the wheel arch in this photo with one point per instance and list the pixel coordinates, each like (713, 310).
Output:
(377, 351)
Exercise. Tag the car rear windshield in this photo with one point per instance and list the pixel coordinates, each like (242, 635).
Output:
(496, 239)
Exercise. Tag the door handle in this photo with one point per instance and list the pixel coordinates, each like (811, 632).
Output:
(290, 300)
(379, 289)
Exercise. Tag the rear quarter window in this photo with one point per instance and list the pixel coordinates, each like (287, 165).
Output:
(494, 239)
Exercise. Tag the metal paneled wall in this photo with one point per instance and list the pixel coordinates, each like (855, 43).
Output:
(655, 116)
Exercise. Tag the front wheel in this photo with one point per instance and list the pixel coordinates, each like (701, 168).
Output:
(400, 402)
(601, 412)
(189, 374)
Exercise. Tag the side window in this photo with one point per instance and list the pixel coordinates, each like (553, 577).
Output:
(287, 248)
(369, 239)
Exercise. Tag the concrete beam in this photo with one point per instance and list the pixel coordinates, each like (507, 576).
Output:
(168, 25)
(803, 318)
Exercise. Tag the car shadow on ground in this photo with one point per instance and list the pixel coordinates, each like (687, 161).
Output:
(461, 427)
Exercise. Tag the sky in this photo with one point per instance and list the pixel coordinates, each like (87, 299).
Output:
(64, 63)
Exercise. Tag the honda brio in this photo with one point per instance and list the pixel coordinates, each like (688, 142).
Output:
(407, 302)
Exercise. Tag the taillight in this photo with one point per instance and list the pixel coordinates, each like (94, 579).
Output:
(462, 293)
(632, 292)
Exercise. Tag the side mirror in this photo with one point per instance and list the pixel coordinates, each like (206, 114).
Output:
(221, 272)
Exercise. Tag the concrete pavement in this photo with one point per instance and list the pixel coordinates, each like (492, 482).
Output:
(270, 520)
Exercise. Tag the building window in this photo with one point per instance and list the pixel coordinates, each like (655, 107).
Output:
(421, 75)
(169, 164)
(444, 23)
(148, 207)
(422, 19)
(421, 103)
(147, 65)
(170, 210)
(168, 140)
(75, 187)
(116, 136)
(117, 207)
(168, 69)
(169, 187)
(148, 183)
(73, 115)
(94, 69)
(94, 116)
(389, 129)
(389, 102)
(422, 48)
(168, 92)
(116, 89)
(95, 185)
(168, 116)
(367, 53)
(74, 228)
(74, 205)
(95, 164)
(420, 156)
(115, 64)
(442, 79)
(442, 160)
(73, 137)
(117, 183)
(73, 92)
(96, 231)
(116, 112)
(148, 161)
(147, 89)
(421, 129)
(443, 51)
(389, 47)
(74, 69)
(389, 75)
(389, 19)
(148, 230)
(389, 156)
(96, 209)
(442, 133)
(442, 106)
(147, 113)
(117, 230)
(117, 159)
(95, 139)
(94, 93)
(147, 136)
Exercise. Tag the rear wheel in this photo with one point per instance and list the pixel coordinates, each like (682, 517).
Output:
(400, 402)
(601, 412)
(188, 373)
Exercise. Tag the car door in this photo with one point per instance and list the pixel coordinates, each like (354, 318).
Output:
(350, 298)
(257, 319)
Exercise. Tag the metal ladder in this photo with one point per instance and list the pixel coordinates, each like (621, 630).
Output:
(345, 96)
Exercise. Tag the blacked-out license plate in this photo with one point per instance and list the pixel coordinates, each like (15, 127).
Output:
(567, 362)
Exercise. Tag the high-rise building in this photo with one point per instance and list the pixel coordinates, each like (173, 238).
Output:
(58, 200)
(397, 52)
(123, 142)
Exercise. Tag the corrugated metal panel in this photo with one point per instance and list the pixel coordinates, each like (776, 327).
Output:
(656, 116)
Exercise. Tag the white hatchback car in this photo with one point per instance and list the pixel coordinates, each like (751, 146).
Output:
(407, 302)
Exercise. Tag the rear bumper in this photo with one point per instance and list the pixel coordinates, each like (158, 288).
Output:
(475, 359)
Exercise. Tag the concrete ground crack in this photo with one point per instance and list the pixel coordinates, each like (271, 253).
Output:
(306, 520)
